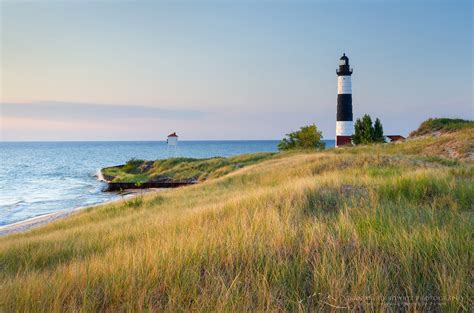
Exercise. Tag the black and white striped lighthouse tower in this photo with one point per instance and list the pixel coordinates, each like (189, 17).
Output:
(344, 123)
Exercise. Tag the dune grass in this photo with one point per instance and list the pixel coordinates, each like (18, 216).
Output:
(442, 125)
(454, 145)
(181, 168)
(370, 228)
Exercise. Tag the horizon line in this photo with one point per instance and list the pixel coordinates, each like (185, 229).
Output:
(187, 140)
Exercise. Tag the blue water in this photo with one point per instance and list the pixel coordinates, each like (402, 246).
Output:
(37, 178)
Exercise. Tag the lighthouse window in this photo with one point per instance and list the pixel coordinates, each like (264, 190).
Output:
(342, 62)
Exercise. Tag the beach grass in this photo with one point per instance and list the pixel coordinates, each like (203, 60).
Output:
(373, 228)
(442, 125)
(181, 168)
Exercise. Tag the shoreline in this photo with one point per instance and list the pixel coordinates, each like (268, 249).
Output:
(40, 220)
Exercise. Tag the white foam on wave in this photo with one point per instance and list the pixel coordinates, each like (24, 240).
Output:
(99, 175)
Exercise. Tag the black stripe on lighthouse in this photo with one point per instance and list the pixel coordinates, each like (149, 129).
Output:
(344, 107)
(344, 118)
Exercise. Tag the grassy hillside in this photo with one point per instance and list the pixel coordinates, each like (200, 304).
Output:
(352, 228)
(181, 168)
(436, 125)
(454, 145)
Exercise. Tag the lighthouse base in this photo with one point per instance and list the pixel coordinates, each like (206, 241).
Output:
(343, 140)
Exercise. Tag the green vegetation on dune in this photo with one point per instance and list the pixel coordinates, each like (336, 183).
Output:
(355, 228)
(452, 145)
(442, 125)
(181, 168)
(307, 138)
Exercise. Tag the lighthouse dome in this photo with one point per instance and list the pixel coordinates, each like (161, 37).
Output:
(344, 60)
(344, 68)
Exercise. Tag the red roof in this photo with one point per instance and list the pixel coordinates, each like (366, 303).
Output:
(395, 137)
(173, 135)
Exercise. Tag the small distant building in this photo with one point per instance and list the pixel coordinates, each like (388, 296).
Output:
(172, 143)
(394, 138)
(172, 139)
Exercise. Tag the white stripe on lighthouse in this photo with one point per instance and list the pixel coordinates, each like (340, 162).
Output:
(344, 128)
(344, 85)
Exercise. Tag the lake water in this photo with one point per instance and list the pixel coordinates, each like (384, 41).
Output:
(38, 178)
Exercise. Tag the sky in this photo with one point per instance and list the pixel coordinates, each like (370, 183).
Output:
(215, 70)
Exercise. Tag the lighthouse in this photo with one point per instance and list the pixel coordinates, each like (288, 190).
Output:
(344, 123)
(172, 141)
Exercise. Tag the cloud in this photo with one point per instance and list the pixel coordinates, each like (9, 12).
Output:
(63, 111)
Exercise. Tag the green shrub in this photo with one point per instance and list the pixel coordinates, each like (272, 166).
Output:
(307, 138)
(133, 166)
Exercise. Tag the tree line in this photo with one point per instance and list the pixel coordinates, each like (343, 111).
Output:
(310, 137)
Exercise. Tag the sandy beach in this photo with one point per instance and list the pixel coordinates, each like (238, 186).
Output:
(37, 221)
